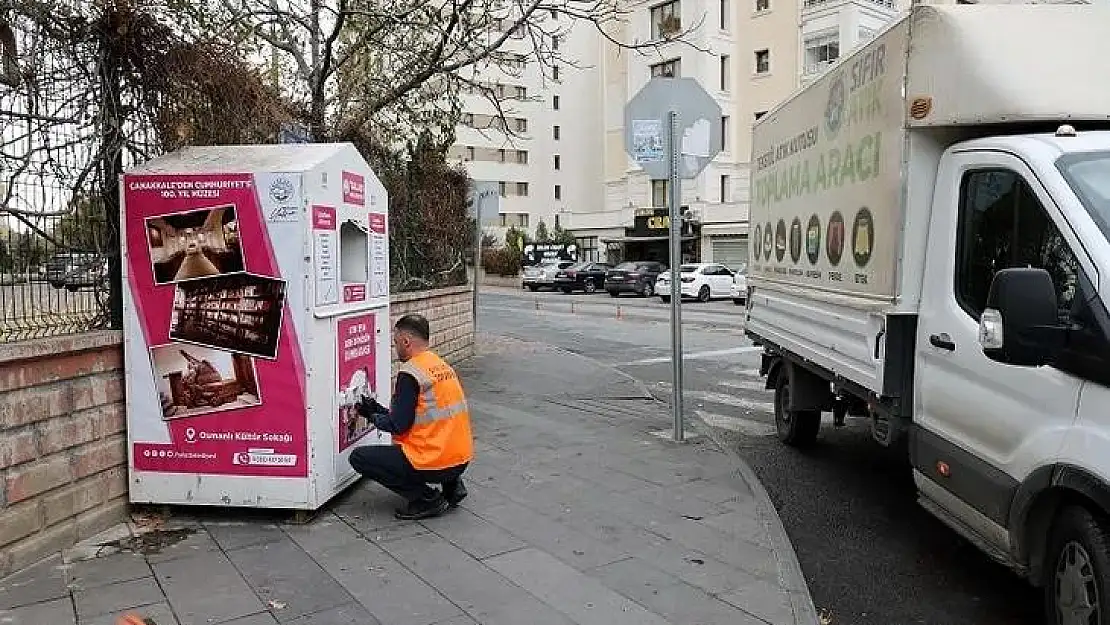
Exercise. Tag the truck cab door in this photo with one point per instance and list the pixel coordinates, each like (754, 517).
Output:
(984, 426)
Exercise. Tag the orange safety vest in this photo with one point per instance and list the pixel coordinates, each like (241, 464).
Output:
(440, 436)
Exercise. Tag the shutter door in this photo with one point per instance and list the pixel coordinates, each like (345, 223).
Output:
(732, 253)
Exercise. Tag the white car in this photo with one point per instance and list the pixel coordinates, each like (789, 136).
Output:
(703, 281)
(740, 287)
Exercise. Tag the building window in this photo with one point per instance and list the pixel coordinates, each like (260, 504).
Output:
(666, 20)
(762, 61)
(522, 189)
(554, 14)
(555, 42)
(724, 189)
(522, 157)
(558, 192)
(667, 69)
(659, 197)
(555, 72)
(520, 220)
(725, 65)
(821, 52)
(724, 133)
(762, 5)
(555, 102)
(503, 188)
(521, 124)
(518, 32)
(587, 249)
(521, 93)
(724, 14)
(555, 133)
(501, 155)
(558, 163)
(865, 35)
(759, 115)
(469, 152)
(468, 119)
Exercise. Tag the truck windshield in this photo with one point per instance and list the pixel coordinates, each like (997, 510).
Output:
(1089, 176)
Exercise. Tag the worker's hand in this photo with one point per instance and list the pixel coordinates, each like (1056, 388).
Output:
(368, 407)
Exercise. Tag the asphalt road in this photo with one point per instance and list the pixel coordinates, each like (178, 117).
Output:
(870, 554)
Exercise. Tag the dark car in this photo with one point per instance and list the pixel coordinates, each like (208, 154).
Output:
(588, 277)
(634, 277)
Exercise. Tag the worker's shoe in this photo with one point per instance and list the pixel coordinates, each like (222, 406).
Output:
(424, 508)
(454, 492)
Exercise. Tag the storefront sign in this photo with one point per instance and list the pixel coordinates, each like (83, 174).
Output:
(536, 253)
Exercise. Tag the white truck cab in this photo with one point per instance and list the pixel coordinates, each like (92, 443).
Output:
(931, 251)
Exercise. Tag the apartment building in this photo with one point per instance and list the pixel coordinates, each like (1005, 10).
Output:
(749, 55)
(544, 156)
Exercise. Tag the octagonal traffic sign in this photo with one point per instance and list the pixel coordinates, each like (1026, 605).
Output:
(646, 126)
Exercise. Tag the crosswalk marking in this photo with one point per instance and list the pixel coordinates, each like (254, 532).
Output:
(693, 356)
(726, 399)
(743, 384)
(736, 424)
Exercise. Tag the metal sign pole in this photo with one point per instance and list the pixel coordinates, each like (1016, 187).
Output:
(675, 201)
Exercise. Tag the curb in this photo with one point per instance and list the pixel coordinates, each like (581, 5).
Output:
(791, 578)
(801, 602)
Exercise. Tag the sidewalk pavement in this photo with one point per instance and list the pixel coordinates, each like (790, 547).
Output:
(581, 511)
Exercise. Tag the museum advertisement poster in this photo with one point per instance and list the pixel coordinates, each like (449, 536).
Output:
(226, 390)
(357, 375)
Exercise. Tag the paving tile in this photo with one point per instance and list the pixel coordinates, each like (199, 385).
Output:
(575, 594)
(461, 619)
(121, 567)
(389, 591)
(327, 530)
(116, 597)
(472, 534)
(667, 595)
(54, 612)
(744, 524)
(38, 583)
(192, 545)
(205, 588)
(570, 545)
(262, 618)
(753, 558)
(231, 535)
(695, 568)
(350, 614)
(464, 581)
(158, 613)
(513, 613)
(765, 600)
(282, 571)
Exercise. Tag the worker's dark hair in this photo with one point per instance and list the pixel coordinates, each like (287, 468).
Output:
(415, 324)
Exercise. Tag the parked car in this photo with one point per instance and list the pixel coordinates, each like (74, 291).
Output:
(633, 277)
(588, 277)
(73, 271)
(703, 281)
(542, 275)
(740, 286)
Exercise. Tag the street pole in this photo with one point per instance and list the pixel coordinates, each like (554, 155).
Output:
(675, 192)
(477, 252)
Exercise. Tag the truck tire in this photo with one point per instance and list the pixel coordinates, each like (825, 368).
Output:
(1077, 562)
(797, 428)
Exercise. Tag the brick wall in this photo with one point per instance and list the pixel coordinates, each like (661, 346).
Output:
(63, 452)
(63, 474)
(450, 313)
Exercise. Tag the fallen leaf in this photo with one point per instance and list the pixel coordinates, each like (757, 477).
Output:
(276, 605)
(692, 517)
(697, 561)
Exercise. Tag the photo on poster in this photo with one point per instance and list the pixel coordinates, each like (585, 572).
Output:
(238, 312)
(194, 380)
(357, 375)
(194, 244)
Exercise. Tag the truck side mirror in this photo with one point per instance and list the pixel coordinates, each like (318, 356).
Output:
(1020, 325)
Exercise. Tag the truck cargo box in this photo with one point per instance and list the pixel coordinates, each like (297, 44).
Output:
(843, 171)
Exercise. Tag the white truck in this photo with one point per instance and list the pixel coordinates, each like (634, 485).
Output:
(931, 251)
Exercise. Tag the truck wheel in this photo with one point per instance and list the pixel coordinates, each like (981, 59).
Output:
(795, 428)
(1077, 562)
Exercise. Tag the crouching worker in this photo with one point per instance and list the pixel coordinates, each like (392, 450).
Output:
(429, 424)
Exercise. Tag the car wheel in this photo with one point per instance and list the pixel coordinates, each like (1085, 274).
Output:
(649, 289)
(666, 299)
(73, 288)
(533, 288)
(738, 301)
(796, 428)
(1076, 565)
(58, 285)
(614, 293)
(590, 287)
(703, 294)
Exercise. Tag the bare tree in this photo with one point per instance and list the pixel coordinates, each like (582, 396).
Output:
(397, 64)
